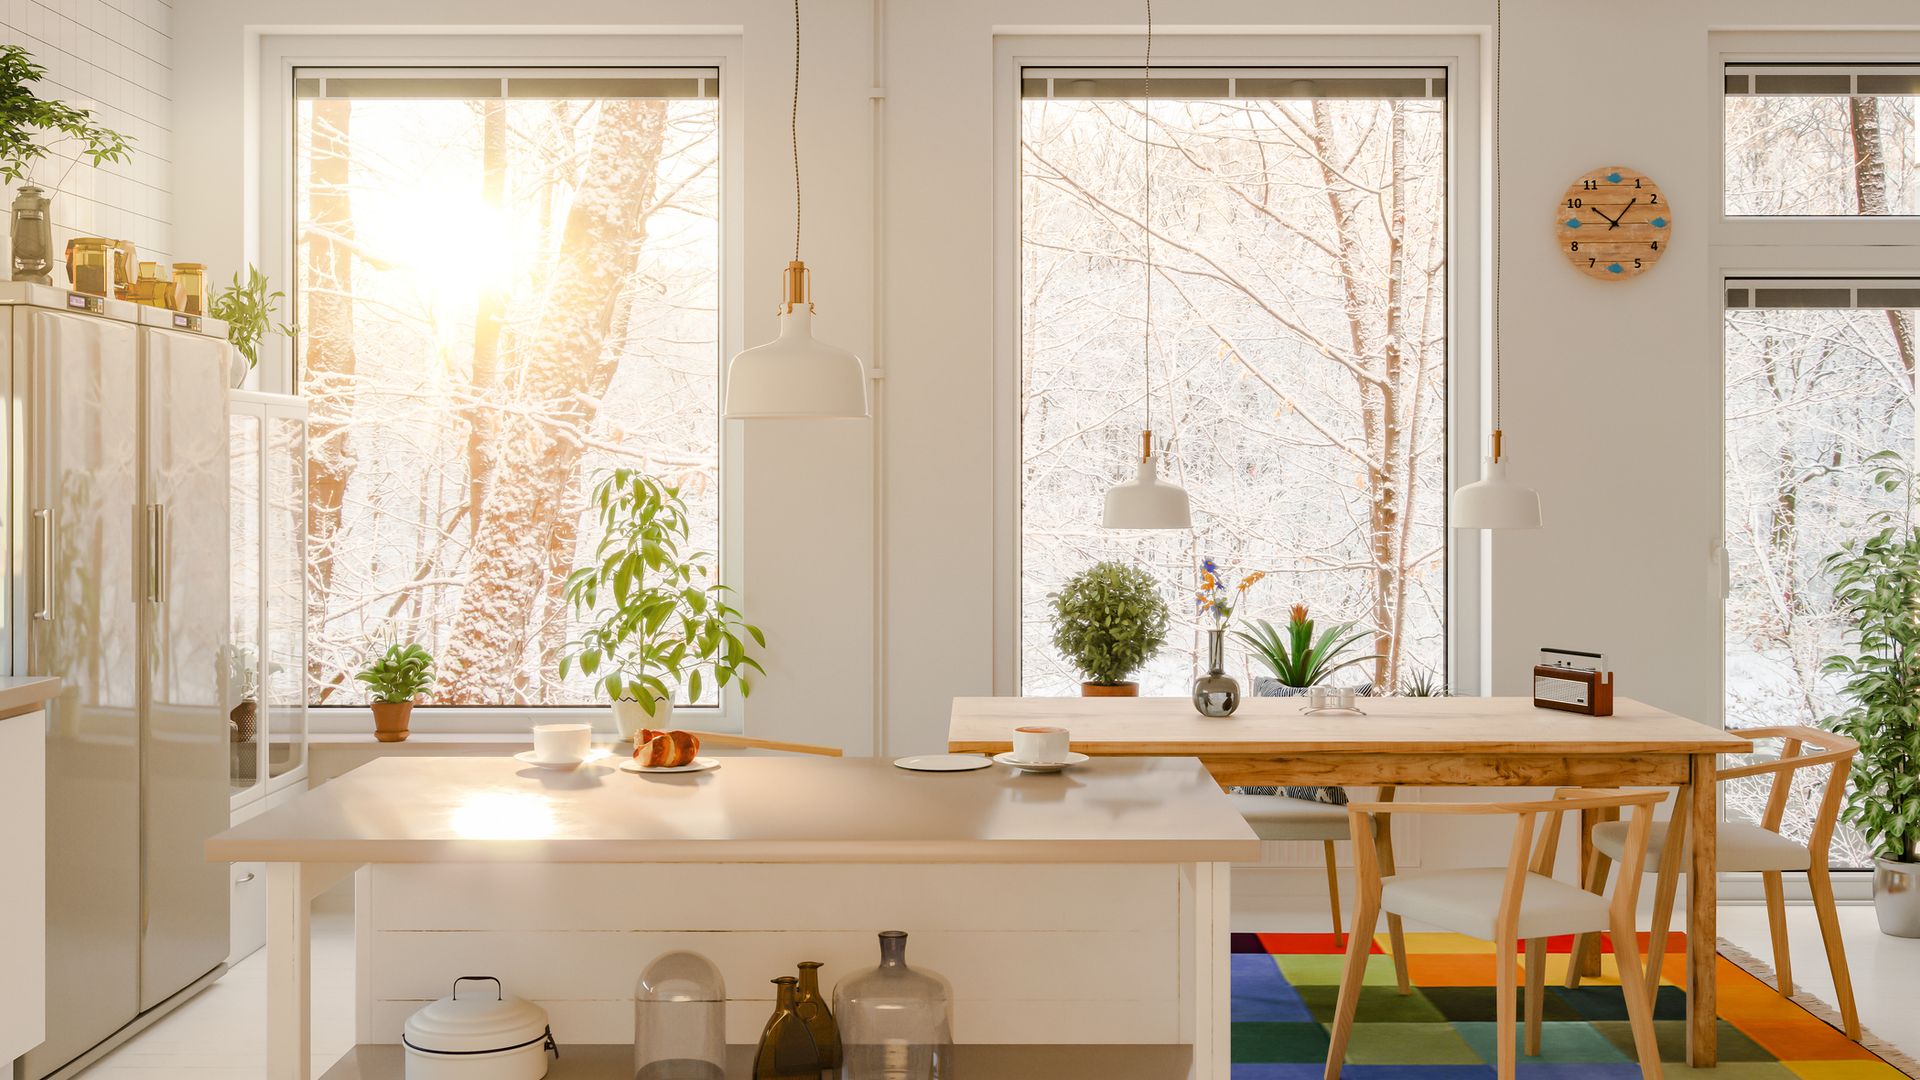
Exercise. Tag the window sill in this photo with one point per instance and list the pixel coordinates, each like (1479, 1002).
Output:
(429, 720)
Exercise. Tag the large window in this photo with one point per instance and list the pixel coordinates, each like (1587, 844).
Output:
(1819, 380)
(506, 281)
(1298, 360)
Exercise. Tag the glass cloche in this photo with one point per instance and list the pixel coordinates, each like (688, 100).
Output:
(895, 1021)
(680, 1020)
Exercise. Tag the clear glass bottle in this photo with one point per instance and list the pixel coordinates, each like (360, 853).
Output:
(895, 1021)
(32, 229)
(1216, 693)
(812, 1008)
(786, 1050)
(680, 1020)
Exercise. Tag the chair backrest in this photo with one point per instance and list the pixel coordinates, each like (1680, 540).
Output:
(1834, 751)
(747, 742)
(1533, 849)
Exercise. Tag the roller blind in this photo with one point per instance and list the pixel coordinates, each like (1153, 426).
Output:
(1218, 83)
(483, 84)
(1823, 293)
(1873, 80)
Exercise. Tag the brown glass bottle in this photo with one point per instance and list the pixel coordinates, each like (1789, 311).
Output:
(812, 1008)
(786, 1049)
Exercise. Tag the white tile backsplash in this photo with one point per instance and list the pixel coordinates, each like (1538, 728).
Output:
(113, 57)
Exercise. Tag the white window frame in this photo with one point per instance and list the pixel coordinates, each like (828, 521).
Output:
(1791, 247)
(1469, 201)
(269, 241)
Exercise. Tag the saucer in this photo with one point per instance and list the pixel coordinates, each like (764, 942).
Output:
(1073, 758)
(699, 764)
(943, 762)
(525, 757)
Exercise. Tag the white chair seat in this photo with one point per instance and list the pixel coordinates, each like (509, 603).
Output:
(1281, 817)
(1740, 847)
(1467, 902)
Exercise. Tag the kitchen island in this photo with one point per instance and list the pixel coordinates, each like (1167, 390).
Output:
(1081, 918)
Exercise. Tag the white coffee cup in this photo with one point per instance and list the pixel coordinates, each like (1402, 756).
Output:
(1040, 744)
(562, 742)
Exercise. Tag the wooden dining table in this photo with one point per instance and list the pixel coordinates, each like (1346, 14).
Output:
(1420, 742)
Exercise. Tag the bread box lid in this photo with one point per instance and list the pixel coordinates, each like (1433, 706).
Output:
(476, 1023)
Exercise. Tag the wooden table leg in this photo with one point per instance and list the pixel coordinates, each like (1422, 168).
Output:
(1396, 936)
(1703, 940)
(289, 979)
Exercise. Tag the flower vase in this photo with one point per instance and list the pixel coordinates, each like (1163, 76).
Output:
(1216, 693)
(629, 716)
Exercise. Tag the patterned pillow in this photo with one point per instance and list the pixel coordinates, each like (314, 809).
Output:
(1268, 686)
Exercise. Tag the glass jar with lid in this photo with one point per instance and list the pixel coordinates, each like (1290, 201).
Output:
(190, 287)
(680, 1020)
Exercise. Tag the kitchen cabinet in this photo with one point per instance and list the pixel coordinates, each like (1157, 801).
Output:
(23, 864)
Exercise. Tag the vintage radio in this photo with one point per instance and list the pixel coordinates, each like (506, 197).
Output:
(1573, 681)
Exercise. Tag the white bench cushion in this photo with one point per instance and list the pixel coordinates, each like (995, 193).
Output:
(1740, 847)
(1279, 817)
(1467, 902)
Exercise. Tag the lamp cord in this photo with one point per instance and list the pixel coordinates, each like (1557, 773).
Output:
(1146, 216)
(793, 130)
(1499, 42)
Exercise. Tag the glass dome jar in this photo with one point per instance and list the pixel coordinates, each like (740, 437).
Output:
(895, 1022)
(680, 1020)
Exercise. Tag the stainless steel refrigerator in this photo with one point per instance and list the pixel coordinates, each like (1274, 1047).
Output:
(117, 580)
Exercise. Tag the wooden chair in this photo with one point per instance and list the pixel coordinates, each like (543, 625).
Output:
(1283, 817)
(747, 742)
(1507, 905)
(1746, 848)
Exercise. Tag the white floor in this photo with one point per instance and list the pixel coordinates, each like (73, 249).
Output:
(220, 1035)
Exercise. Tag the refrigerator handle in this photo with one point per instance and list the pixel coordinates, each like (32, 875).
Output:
(157, 552)
(43, 525)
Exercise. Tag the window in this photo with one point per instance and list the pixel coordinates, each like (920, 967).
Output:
(1298, 360)
(1816, 140)
(1819, 378)
(506, 281)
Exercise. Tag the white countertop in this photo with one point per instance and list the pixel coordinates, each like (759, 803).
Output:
(21, 694)
(788, 809)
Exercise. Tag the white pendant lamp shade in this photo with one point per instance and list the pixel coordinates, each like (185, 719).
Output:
(796, 375)
(1146, 501)
(1495, 502)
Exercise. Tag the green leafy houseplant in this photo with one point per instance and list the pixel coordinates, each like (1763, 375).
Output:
(394, 679)
(24, 115)
(1296, 658)
(1876, 581)
(1107, 621)
(248, 311)
(658, 620)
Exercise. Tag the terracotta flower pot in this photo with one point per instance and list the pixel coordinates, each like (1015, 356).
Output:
(390, 720)
(1125, 689)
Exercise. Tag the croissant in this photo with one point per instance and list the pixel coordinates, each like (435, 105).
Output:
(665, 749)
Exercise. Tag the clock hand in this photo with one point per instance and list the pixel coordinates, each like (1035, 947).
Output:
(1623, 212)
(1603, 215)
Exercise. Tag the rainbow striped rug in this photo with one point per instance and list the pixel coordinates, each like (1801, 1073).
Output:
(1284, 986)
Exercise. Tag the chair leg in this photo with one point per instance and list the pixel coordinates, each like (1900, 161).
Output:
(1333, 887)
(1822, 888)
(1666, 886)
(1777, 928)
(1536, 992)
(1585, 958)
(1366, 913)
(1638, 992)
(1505, 968)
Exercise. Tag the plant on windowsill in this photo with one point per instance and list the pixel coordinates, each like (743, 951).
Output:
(248, 310)
(1296, 658)
(1876, 581)
(394, 680)
(23, 117)
(657, 619)
(1107, 621)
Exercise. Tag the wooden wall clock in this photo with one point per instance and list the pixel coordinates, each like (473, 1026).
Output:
(1613, 223)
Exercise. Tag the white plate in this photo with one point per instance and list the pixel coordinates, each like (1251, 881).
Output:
(1073, 758)
(525, 757)
(699, 764)
(943, 762)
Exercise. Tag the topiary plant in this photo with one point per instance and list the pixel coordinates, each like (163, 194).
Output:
(1108, 620)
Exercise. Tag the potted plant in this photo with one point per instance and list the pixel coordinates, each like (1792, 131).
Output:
(1296, 658)
(243, 680)
(23, 116)
(657, 620)
(1107, 621)
(1877, 583)
(399, 675)
(248, 310)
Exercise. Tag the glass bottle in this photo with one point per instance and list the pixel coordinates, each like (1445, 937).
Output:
(894, 1020)
(680, 1020)
(1216, 693)
(819, 1019)
(786, 1050)
(32, 236)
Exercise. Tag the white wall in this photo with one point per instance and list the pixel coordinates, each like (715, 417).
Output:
(1613, 389)
(114, 58)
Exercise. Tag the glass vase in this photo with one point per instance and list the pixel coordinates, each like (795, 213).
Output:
(1216, 693)
(786, 1050)
(812, 1009)
(680, 1020)
(895, 1022)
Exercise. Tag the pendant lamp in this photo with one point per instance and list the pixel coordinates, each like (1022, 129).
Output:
(1495, 502)
(796, 376)
(1146, 501)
